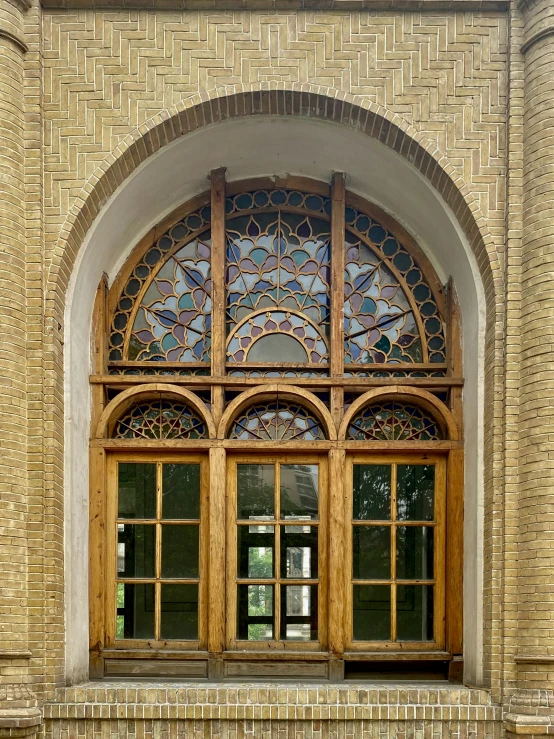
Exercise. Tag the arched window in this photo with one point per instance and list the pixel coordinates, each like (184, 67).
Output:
(275, 448)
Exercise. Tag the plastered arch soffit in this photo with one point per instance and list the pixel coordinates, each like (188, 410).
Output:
(303, 100)
(117, 407)
(422, 398)
(288, 392)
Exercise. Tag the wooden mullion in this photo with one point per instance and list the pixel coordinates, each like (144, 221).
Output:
(337, 544)
(393, 551)
(216, 588)
(277, 563)
(99, 350)
(338, 201)
(217, 179)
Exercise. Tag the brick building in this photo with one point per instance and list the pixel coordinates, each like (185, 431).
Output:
(277, 305)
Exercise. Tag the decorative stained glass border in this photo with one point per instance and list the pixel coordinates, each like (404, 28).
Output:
(393, 252)
(281, 198)
(175, 236)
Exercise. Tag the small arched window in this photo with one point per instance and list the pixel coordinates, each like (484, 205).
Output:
(276, 447)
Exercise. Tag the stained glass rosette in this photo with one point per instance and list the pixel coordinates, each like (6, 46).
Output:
(160, 419)
(394, 421)
(276, 420)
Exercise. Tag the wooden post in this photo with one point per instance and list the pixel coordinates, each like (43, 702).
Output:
(100, 331)
(217, 179)
(97, 563)
(337, 291)
(454, 551)
(216, 597)
(337, 548)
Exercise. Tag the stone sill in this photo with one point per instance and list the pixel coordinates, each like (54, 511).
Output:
(257, 701)
(286, 5)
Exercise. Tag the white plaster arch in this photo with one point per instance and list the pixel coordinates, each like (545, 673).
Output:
(254, 147)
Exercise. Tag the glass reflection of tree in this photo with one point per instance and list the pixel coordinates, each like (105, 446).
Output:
(372, 492)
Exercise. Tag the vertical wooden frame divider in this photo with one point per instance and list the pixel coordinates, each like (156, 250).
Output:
(218, 636)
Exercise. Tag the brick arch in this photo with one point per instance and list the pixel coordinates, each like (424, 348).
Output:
(305, 100)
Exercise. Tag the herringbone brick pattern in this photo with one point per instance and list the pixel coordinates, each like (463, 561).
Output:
(108, 72)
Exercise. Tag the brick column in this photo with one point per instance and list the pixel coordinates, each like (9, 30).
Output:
(535, 639)
(18, 713)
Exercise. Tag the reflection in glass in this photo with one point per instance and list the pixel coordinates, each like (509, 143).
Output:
(415, 492)
(371, 552)
(256, 490)
(414, 612)
(255, 612)
(414, 552)
(180, 550)
(135, 611)
(299, 612)
(179, 612)
(135, 550)
(255, 551)
(372, 611)
(299, 491)
(372, 492)
(136, 496)
(181, 491)
(299, 551)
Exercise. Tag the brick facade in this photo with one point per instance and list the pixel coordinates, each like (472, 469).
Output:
(462, 90)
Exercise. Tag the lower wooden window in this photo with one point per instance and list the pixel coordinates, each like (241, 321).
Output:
(156, 544)
(276, 553)
(396, 595)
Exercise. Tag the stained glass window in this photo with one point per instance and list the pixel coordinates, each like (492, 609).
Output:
(390, 314)
(394, 421)
(278, 288)
(160, 419)
(277, 420)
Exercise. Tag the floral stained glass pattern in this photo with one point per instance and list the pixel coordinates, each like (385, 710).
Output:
(278, 281)
(276, 420)
(171, 241)
(393, 421)
(160, 419)
(386, 321)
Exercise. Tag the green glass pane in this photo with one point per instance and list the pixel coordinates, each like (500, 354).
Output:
(414, 552)
(256, 491)
(299, 612)
(136, 496)
(179, 612)
(415, 492)
(135, 611)
(181, 491)
(414, 612)
(372, 612)
(180, 550)
(371, 552)
(299, 491)
(299, 552)
(255, 612)
(372, 492)
(136, 546)
(255, 551)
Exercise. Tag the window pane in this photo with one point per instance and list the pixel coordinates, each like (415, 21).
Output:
(136, 490)
(255, 551)
(299, 612)
(372, 492)
(181, 491)
(414, 612)
(180, 550)
(255, 612)
(414, 552)
(299, 551)
(135, 611)
(371, 612)
(299, 491)
(416, 492)
(135, 550)
(179, 612)
(371, 552)
(256, 490)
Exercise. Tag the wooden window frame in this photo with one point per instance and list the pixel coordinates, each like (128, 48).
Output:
(217, 644)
